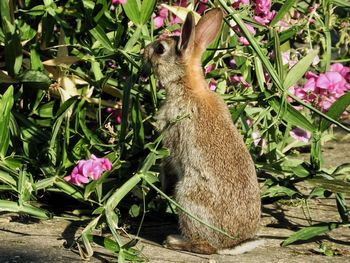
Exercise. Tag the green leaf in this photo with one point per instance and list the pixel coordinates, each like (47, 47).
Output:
(147, 8)
(105, 242)
(342, 207)
(68, 189)
(136, 116)
(282, 11)
(44, 183)
(35, 60)
(132, 11)
(13, 52)
(64, 108)
(133, 39)
(337, 108)
(341, 3)
(100, 7)
(291, 115)
(37, 10)
(336, 186)
(6, 104)
(299, 69)
(24, 187)
(46, 110)
(93, 138)
(10, 206)
(285, 35)
(35, 79)
(7, 178)
(134, 210)
(278, 190)
(99, 34)
(309, 232)
(278, 55)
(5, 12)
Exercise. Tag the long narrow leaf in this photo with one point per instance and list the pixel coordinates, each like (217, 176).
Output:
(292, 116)
(6, 104)
(10, 206)
(132, 11)
(147, 8)
(99, 34)
(335, 186)
(336, 110)
(310, 232)
(69, 189)
(7, 178)
(287, 5)
(299, 69)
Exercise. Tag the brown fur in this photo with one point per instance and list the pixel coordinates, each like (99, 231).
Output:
(216, 175)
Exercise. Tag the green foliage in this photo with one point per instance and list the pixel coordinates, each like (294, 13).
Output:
(73, 69)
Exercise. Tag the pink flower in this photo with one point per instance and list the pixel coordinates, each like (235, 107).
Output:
(265, 19)
(243, 41)
(237, 79)
(324, 89)
(236, 3)
(262, 7)
(287, 60)
(232, 63)
(208, 68)
(257, 140)
(249, 27)
(88, 169)
(310, 74)
(160, 19)
(300, 135)
(117, 2)
(173, 18)
(298, 92)
(263, 15)
(342, 70)
(212, 84)
(202, 6)
(333, 82)
(116, 114)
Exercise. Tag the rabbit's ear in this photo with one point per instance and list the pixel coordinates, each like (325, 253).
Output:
(187, 34)
(207, 28)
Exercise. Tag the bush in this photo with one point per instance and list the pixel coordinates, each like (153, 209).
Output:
(77, 110)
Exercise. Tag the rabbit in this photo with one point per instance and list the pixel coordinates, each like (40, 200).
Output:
(216, 177)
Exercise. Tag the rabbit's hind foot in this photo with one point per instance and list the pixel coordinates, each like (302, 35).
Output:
(178, 242)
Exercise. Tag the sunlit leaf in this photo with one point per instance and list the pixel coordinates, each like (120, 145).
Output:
(309, 232)
(6, 104)
(181, 12)
(299, 69)
(335, 111)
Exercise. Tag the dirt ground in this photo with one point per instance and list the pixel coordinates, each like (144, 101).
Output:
(44, 241)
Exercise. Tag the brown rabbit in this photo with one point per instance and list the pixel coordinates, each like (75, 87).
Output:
(216, 175)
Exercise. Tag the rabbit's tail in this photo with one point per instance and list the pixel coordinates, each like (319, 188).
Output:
(242, 248)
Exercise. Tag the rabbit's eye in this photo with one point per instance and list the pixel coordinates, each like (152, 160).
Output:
(159, 49)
